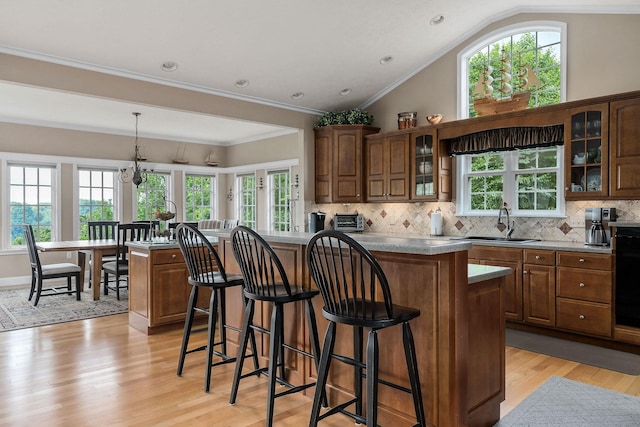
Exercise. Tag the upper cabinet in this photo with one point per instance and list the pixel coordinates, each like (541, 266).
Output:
(387, 168)
(586, 132)
(624, 141)
(431, 177)
(338, 163)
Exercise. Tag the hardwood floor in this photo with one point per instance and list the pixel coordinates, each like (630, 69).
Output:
(102, 372)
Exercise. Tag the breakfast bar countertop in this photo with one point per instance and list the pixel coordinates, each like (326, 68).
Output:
(423, 244)
(398, 243)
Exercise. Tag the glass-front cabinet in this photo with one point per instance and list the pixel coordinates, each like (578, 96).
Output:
(586, 152)
(425, 165)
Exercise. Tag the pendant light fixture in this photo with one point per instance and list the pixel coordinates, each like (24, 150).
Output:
(138, 175)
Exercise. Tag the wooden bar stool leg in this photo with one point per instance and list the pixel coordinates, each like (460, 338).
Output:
(211, 332)
(275, 353)
(357, 370)
(187, 328)
(244, 338)
(414, 377)
(372, 378)
(323, 372)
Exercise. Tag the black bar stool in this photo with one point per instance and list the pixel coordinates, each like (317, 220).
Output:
(266, 281)
(206, 270)
(356, 292)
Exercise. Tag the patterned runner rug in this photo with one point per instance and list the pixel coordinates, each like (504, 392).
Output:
(563, 403)
(18, 313)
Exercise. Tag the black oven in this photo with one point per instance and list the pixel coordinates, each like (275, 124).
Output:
(627, 247)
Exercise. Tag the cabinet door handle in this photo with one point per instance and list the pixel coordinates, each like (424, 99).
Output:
(174, 256)
(581, 285)
(525, 272)
(537, 257)
(582, 260)
(581, 317)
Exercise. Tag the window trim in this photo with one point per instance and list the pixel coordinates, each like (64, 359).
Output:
(56, 201)
(269, 204)
(214, 193)
(492, 37)
(117, 194)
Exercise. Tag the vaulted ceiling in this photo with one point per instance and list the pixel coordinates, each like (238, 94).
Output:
(310, 56)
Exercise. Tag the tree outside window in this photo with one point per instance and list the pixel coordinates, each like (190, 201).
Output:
(247, 200)
(538, 50)
(96, 195)
(31, 191)
(279, 185)
(526, 179)
(152, 196)
(199, 197)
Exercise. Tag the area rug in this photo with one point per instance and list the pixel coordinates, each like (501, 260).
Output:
(16, 312)
(606, 358)
(560, 402)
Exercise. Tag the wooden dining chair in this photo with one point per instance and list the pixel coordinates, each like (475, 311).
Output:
(120, 267)
(40, 273)
(101, 230)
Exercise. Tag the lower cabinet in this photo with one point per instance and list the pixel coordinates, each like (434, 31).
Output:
(504, 257)
(159, 290)
(570, 291)
(539, 287)
(584, 300)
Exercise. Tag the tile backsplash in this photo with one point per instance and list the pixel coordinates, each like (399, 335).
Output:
(415, 218)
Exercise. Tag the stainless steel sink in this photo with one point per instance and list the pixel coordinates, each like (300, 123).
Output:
(496, 239)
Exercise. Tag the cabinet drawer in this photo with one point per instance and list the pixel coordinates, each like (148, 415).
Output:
(493, 253)
(586, 285)
(586, 317)
(584, 260)
(167, 256)
(538, 257)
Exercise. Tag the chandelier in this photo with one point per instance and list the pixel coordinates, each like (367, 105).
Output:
(137, 175)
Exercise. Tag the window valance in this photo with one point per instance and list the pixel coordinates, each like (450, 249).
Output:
(506, 139)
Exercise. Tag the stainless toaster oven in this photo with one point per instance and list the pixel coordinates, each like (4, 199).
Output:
(348, 222)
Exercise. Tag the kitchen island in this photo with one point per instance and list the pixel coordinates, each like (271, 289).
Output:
(459, 335)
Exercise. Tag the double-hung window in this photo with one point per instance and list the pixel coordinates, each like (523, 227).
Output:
(279, 186)
(152, 196)
(96, 197)
(199, 197)
(528, 180)
(32, 201)
(247, 199)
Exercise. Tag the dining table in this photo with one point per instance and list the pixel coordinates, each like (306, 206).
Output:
(97, 249)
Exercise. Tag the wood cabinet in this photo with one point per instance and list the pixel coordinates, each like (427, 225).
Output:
(587, 152)
(158, 289)
(539, 287)
(624, 142)
(584, 293)
(387, 172)
(338, 163)
(504, 257)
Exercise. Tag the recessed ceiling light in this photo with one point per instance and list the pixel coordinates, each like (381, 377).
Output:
(386, 59)
(345, 92)
(169, 66)
(298, 95)
(242, 83)
(438, 19)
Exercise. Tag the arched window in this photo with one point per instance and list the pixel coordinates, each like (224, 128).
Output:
(509, 56)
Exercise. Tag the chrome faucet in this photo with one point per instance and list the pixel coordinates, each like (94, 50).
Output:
(510, 225)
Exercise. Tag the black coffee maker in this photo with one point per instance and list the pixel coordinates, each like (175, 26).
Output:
(316, 221)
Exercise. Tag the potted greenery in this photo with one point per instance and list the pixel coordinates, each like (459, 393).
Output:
(350, 117)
